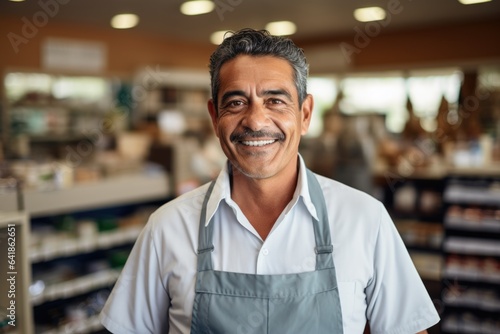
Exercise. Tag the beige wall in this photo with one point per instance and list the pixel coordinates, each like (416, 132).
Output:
(128, 51)
(465, 44)
(447, 45)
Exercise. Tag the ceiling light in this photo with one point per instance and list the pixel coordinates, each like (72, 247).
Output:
(17, 0)
(281, 28)
(369, 14)
(124, 21)
(472, 2)
(197, 7)
(218, 36)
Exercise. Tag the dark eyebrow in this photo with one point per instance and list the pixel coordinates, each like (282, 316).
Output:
(269, 92)
(230, 94)
(277, 92)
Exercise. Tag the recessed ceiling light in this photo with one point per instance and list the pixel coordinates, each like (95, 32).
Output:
(472, 2)
(281, 28)
(124, 21)
(197, 7)
(218, 36)
(17, 0)
(369, 14)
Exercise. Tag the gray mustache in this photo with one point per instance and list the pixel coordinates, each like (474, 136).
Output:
(239, 136)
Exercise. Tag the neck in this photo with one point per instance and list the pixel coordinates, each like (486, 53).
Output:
(263, 200)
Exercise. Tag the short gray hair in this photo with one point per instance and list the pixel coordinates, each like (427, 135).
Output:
(259, 43)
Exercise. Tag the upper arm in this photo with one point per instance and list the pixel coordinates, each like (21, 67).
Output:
(138, 302)
(397, 300)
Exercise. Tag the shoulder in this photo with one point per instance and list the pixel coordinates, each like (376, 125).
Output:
(185, 205)
(355, 216)
(179, 218)
(345, 197)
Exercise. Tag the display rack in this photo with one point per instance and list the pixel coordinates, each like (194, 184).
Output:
(415, 204)
(111, 205)
(116, 190)
(45, 112)
(471, 276)
(14, 265)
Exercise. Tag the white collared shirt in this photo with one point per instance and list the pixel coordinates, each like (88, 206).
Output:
(377, 279)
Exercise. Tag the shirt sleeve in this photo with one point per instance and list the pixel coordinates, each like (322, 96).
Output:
(139, 302)
(398, 302)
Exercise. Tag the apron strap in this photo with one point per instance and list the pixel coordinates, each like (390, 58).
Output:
(324, 248)
(205, 244)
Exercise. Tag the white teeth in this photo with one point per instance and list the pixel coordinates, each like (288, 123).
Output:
(257, 142)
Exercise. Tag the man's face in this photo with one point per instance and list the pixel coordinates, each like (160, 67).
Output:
(259, 123)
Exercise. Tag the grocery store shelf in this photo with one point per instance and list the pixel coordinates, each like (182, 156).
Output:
(455, 325)
(14, 233)
(117, 190)
(88, 325)
(67, 246)
(482, 171)
(77, 286)
(457, 193)
(472, 246)
(475, 299)
(476, 226)
(12, 217)
(471, 276)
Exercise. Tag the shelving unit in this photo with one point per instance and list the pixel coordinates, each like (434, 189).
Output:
(15, 272)
(73, 266)
(116, 190)
(80, 236)
(415, 204)
(471, 276)
(172, 90)
(175, 102)
(45, 112)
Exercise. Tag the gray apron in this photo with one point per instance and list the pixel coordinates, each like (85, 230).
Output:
(228, 302)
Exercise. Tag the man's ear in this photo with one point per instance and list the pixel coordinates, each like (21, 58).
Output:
(212, 110)
(306, 113)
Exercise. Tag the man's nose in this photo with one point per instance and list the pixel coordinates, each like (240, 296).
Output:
(256, 117)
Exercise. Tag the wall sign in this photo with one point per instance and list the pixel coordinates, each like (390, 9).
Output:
(73, 55)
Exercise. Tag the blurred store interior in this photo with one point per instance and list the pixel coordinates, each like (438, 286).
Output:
(100, 125)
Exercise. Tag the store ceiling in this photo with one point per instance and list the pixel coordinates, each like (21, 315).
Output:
(314, 18)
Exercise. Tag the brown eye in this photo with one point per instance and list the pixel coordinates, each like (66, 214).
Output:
(235, 103)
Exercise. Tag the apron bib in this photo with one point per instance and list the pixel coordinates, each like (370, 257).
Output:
(236, 303)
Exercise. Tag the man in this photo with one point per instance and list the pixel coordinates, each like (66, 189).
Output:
(268, 247)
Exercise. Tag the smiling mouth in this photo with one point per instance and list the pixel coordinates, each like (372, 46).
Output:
(256, 138)
(258, 142)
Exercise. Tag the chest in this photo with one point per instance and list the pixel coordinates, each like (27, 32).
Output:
(289, 248)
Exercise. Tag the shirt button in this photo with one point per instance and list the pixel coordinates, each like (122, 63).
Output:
(265, 251)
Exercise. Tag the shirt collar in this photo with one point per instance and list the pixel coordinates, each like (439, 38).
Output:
(302, 190)
(222, 191)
